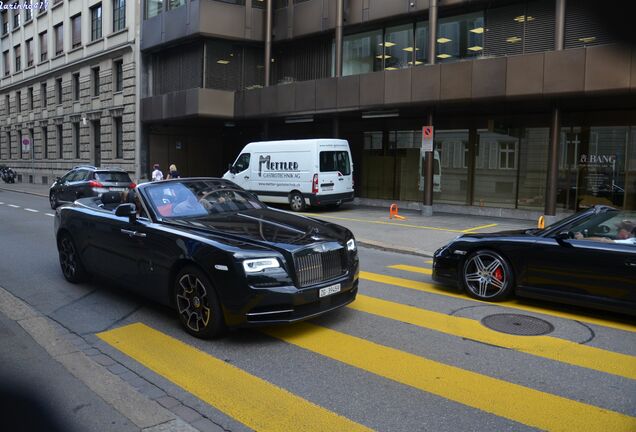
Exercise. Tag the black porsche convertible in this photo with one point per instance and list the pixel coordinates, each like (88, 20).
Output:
(211, 250)
(587, 259)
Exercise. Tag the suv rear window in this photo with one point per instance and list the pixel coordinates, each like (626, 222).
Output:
(332, 161)
(112, 177)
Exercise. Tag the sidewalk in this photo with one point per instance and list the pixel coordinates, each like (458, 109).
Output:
(417, 234)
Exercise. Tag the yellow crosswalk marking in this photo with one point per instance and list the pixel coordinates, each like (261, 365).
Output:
(513, 304)
(429, 261)
(515, 402)
(404, 225)
(542, 346)
(412, 269)
(252, 401)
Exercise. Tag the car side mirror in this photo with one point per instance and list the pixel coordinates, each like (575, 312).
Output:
(58, 179)
(127, 210)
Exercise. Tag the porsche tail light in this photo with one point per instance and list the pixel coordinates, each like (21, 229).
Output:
(314, 185)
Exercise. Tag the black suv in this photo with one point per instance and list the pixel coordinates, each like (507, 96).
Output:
(87, 181)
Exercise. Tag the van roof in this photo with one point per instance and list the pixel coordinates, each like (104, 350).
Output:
(296, 142)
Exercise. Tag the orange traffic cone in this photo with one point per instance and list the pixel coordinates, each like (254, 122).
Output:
(393, 212)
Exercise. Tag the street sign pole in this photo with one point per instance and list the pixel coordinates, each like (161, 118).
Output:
(427, 150)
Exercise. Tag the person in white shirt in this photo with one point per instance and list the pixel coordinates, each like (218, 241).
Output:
(157, 175)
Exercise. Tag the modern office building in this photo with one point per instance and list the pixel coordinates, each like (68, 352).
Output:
(67, 87)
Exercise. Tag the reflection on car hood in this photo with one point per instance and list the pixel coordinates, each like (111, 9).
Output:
(511, 233)
(267, 225)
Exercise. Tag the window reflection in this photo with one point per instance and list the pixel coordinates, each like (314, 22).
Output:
(362, 53)
(460, 37)
(153, 8)
(398, 47)
(496, 162)
(451, 147)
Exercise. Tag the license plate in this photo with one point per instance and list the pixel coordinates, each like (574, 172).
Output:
(117, 189)
(324, 292)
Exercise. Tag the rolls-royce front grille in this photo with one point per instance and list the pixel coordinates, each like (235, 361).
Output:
(316, 267)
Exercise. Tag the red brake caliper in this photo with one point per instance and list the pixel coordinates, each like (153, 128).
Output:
(499, 274)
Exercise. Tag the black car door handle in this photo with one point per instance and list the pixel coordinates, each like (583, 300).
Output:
(131, 234)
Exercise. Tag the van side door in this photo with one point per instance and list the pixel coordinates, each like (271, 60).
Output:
(335, 175)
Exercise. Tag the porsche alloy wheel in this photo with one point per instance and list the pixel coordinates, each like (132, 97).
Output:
(70, 262)
(296, 201)
(487, 276)
(196, 303)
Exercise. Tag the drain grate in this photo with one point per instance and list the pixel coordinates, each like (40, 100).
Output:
(521, 325)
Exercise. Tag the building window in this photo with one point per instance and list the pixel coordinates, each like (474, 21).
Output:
(460, 37)
(173, 4)
(7, 65)
(76, 86)
(17, 20)
(362, 53)
(28, 13)
(60, 141)
(30, 96)
(507, 155)
(8, 137)
(96, 22)
(17, 53)
(59, 38)
(76, 31)
(43, 95)
(44, 47)
(118, 71)
(29, 52)
(119, 15)
(119, 137)
(76, 139)
(95, 73)
(20, 152)
(45, 142)
(18, 101)
(32, 138)
(153, 8)
(58, 90)
(399, 48)
(5, 22)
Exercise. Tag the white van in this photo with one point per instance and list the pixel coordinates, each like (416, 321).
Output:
(301, 173)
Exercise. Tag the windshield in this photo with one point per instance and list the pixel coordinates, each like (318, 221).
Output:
(197, 199)
(112, 177)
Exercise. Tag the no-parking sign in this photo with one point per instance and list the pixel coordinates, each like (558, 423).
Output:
(26, 144)
(427, 138)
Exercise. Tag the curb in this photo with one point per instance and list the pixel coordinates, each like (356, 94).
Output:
(372, 244)
(24, 192)
(142, 411)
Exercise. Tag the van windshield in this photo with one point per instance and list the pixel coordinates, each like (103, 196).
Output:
(335, 161)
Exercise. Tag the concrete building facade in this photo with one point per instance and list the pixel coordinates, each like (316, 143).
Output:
(68, 87)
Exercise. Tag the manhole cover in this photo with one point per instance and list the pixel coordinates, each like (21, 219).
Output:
(522, 325)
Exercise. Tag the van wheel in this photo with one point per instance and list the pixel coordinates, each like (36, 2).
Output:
(296, 201)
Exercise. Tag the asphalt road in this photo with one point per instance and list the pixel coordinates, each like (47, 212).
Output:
(407, 356)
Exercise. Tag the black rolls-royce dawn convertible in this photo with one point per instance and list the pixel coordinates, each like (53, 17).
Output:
(587, 259)
(211, 250)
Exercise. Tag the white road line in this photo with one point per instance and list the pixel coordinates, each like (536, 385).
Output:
(49, 214)
(13, 205)
(31, 210)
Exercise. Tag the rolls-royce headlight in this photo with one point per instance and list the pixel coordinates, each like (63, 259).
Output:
(351, 245)
(260, 264)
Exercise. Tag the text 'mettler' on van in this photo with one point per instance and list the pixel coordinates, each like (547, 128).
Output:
(301, 173)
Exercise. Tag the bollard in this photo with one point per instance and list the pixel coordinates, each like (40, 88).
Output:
(393, 212)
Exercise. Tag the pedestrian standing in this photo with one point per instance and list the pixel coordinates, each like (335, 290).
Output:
(157, 175)
(173, 173)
